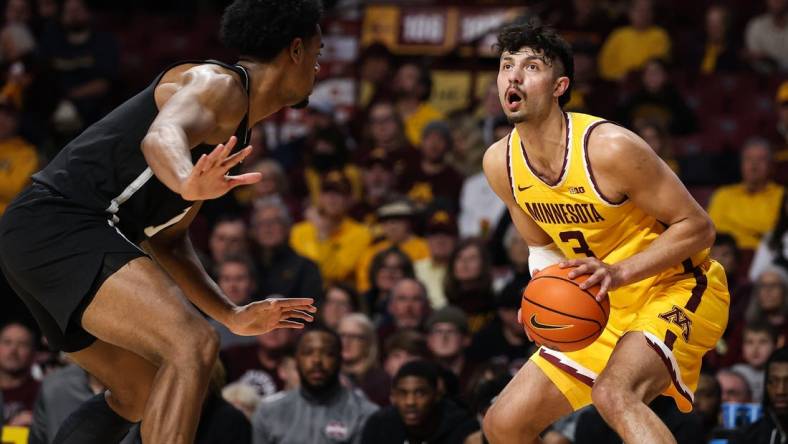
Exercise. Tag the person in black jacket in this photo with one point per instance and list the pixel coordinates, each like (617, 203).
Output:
(281, 271)
(771, 428)
(420, 413)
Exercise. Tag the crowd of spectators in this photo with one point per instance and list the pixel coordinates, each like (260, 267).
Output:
(388, 222)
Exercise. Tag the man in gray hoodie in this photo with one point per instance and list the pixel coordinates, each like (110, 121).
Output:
(321, 410)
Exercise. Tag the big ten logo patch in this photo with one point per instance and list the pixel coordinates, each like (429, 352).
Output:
(577, 190)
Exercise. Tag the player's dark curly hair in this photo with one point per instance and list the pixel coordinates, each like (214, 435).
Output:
(262, 28)
(542, 39)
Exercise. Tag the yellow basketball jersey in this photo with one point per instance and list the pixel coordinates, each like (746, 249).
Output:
(581, 221)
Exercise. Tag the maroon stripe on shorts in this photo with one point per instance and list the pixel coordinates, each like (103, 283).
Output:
(567, 368)
(670, 339)
(697, 291)
(672, 370)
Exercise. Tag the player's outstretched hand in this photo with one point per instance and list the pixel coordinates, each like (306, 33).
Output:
(606, 276)
(209, 179)
(261, 317)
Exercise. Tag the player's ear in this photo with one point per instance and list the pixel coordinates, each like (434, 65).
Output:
(297, 50)
(561, 85)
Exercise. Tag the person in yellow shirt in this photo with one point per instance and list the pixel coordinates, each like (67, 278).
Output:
(395, 219)
(18, 158)
(441, 233)
(749, 209)
(329, 236)
(412, 87)
(628, 48)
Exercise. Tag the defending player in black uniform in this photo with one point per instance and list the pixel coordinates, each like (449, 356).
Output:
(70, 245)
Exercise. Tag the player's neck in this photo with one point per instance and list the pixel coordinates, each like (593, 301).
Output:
(264, 95)
(544, 138)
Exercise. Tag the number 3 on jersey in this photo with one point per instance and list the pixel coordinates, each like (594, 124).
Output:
(582, 247)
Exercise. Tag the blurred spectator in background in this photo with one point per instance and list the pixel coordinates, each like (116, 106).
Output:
(327, 152)
(420, 413)
(17, 48)
(468, 145)
(379, 181)
(396, 221)
(257, 364)
(773, 248)
(360, 358)
(272, 184)
(281, 271)
(441, 234)
(339, 301)
(469, 282)
(17, 352)
(772, 426)
(584, 22)
(228, 238)
(758, 343)
(517, 275)
(329, 236)
(18, 11)
(237, 280)
(749, 209)
(62, 392)
(448, 340)
(412, 90)
(322, 409)
(654, 133)
(386, 130)
(718, 51)
(388, 267)
(659, 101)
(503, 340)
(402, 347)
(628, 48)
(377, 69)
(707, 403)
(734, 386)
(780, 136)
(766, 35)
(407, 308)
(489, 114)
(480, 208)
(85, 62)
(243, 397)
(18, 158)
(590, 94)
(432, 179)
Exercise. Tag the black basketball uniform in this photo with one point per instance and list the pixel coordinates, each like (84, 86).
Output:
(85, 214)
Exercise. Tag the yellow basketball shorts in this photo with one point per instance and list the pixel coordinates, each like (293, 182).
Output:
(681, 318)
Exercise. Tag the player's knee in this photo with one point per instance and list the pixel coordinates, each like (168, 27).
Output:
(608, 397)
(500, 426)
(197, 347)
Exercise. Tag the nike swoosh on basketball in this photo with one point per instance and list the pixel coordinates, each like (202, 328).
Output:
(523, 188)
(539, 325)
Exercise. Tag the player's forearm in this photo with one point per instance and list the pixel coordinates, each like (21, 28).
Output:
(680, 241)
(180, 261)
(167, 151)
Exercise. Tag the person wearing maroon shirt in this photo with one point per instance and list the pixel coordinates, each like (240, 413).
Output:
(19, 389)
(256, 364)
(431, 177)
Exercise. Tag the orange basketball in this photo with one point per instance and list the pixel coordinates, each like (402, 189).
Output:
(558, 314)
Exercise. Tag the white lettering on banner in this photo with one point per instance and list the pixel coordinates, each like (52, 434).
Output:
(475, 26)
(423, 28)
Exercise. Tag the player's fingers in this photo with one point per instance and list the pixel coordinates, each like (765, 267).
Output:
(200, 165)
(289, 324)
(243, 179)
(520, 316)
(595, 278)
(570, 263)
(228, 147)
(604, 288)
(236, 158)
(294, 303)
(580, 270)
(297, 314)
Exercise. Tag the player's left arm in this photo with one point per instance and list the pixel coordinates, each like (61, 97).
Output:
(174, 252)
(626, 167)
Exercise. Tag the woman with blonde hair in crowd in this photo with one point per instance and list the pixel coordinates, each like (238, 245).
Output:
(360, 358)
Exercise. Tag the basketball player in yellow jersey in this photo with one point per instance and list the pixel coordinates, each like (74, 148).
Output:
(594, 196)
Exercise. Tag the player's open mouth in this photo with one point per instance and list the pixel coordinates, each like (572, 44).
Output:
(513, 98)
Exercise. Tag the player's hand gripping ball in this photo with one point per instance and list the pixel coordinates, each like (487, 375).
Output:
(558, 314)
